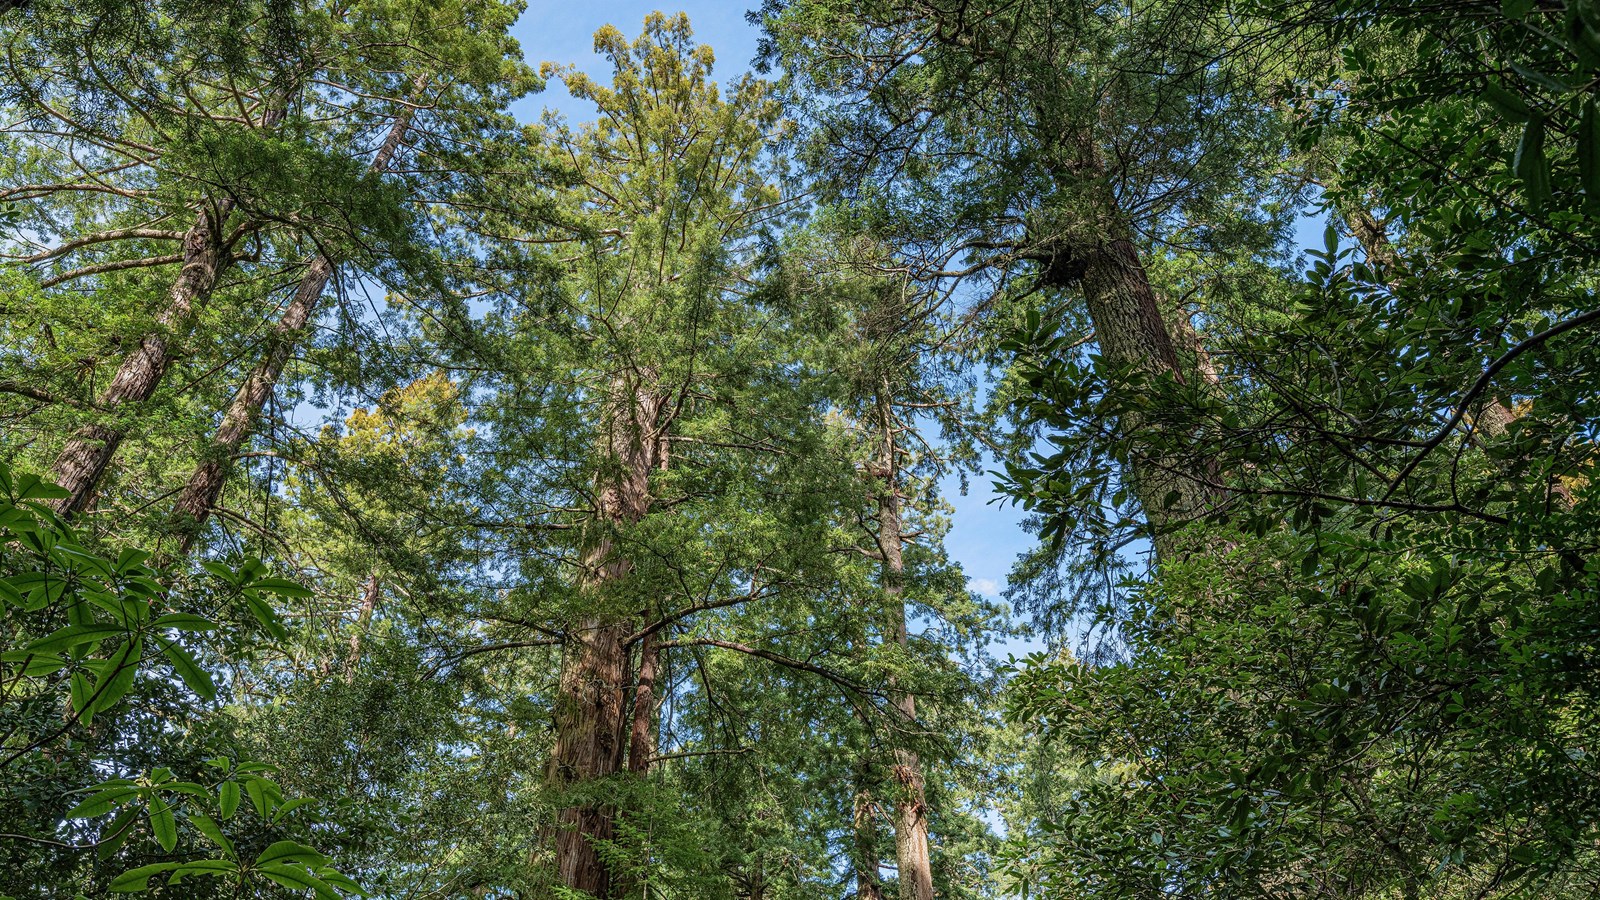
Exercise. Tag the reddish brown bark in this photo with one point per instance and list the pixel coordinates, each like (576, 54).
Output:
(642, 741)
(205, 257)
(83, 461)
(589, 746)
(915, 862)
(592, 722)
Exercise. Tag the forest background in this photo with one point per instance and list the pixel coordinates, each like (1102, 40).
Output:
(407, 493)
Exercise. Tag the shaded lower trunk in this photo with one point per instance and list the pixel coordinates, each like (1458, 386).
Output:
(864, 826)
(594, 726)
(589, 747)
(911, 825)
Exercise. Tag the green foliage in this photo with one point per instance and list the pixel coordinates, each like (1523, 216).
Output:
(83, 630)
(1367, 684)
(622, 511)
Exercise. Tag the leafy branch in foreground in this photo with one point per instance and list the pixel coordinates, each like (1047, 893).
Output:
(80, 629)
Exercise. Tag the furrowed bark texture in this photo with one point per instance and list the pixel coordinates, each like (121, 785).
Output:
(204, 487)
(1093, 245)
(592, 724)
(589, 745)
(1174, 487)
(910, 808)
(642, 740)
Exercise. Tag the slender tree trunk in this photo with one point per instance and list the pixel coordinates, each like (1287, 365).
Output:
(87, 454)
(592, 723)
(864, 825)
(642, 740)
(204, 487)
(910, 808)
(200, 494)
(369, 602)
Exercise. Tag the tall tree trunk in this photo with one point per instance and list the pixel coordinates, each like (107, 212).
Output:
(642, 740)
(589, 746)
(1174, 484)
(864, 825)
(204, 487)
(910, 808)
(84, 460)
(592, 723)
(369, 603)
(1095, 247)
(642, 733)
(200, 494)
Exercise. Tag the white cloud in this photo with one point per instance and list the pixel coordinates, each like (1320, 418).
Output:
(985, 586)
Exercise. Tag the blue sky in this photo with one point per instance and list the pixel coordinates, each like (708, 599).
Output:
(563, 32)
(985, 538)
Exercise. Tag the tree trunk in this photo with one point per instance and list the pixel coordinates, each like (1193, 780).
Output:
(84, 460)
(369, 602)
(1175, 485)
(589, 745)
(1372, 235)
(869, 884)
(1093, 245)
(642, 741)
(199, 496)
(87, 454)
(910, 808)
(592, 725)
